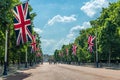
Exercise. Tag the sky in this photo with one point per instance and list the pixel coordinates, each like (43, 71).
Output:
(59, 22)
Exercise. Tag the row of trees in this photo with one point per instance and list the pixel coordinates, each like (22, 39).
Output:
(15, 53)
(107, 28)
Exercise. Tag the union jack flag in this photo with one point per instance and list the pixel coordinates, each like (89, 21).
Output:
(74, 47)
(90, 43)
(61, 54)
(67, 51)
(33, 44)
(38, 49)
(22, 23)
(38, 54)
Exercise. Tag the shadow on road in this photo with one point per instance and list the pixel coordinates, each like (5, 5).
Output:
(17, 76)
(30, 67)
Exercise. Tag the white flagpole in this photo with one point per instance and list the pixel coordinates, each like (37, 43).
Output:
(96, 51)
(5, 58)
(26, 59)
(6, 47)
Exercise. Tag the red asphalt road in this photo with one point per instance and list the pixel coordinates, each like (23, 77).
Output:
(65, 72)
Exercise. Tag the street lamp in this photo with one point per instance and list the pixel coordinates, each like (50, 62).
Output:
(96, 51)
(5, 58)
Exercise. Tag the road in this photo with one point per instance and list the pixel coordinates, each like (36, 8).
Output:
(64, 72)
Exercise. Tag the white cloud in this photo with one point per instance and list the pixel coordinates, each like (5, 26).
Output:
(38, 30)
(59, 18)
(50, 45)
(74, 31)
(70, 35)
(91, 7)
(61, 43)
(47, 45)
(78, 27)
(47, 42)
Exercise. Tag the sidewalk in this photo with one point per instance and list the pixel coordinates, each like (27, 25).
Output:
(13, 71)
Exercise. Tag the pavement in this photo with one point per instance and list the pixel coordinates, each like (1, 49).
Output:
(63, 72)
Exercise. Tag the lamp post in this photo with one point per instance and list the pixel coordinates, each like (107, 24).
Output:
(96, 51)
(26, 61)
(5, 58)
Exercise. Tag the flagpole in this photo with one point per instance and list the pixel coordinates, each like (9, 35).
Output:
(26, 59)
(5, 57)
(96, 51)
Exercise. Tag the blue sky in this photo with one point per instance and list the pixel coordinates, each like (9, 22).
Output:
(58, 22)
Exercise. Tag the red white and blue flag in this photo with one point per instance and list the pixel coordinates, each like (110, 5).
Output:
(74, 48)
(38, 54)
(67, 51)
(33, 44)
(61, 54)
(22, 23)
(90, 43)
(38, 49)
